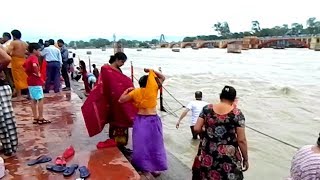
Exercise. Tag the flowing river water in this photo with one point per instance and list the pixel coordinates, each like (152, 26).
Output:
(278, 91)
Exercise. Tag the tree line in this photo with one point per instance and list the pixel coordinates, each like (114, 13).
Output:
(223, 30)
(101, 42)
(296, 29)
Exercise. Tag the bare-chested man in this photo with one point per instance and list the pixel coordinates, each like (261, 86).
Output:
(17, 50)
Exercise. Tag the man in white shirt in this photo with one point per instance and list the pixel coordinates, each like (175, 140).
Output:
(196, 108)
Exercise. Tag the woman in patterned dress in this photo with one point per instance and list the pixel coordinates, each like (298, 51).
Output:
(223, 150)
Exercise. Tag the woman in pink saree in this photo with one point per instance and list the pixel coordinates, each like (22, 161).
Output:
(103, 100)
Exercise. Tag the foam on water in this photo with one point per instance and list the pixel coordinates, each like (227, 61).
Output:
(278, 92)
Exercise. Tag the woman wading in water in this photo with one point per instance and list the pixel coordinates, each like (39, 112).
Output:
(223, 151)
(149, 154)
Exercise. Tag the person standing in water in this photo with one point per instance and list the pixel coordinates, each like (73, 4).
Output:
(195, 107)
(149, 154)
(223, 151)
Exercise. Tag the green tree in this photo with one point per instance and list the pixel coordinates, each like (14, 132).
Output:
(296, 28)
(222, 29)
(154, 41)
(255, 27)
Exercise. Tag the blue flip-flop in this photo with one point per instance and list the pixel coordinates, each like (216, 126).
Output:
(84, 172)
(70, 170)
(39, 160)
(56, 168)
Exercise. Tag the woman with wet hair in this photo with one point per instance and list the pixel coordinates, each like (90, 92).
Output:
(149, 154)
(306, 163)
(223, 150)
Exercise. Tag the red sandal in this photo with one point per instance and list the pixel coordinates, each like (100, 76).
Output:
(69, 152)
(60, 161)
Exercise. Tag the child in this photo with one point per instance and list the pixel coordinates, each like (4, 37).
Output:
(35, 83)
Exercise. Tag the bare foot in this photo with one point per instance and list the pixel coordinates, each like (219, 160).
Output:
(156, 174)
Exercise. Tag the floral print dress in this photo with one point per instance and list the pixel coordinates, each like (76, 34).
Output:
(219, 156)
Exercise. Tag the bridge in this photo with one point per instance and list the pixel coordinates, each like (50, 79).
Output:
(249, 42)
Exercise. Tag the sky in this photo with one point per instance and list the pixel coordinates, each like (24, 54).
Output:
(146, 19)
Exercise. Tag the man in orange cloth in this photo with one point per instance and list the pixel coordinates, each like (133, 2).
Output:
(17, 50)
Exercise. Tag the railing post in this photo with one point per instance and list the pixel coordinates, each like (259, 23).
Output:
(161, 96)
(131, 72)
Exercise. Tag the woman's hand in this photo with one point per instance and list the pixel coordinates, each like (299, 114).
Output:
(178, 124)
(245, 165)
(146, 70)
(129, 90)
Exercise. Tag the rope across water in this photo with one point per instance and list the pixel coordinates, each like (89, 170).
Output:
(251, 128)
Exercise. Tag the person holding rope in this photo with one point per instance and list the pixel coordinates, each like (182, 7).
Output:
(223, 151)
(149, 154)
(306, 163)
(195, 107)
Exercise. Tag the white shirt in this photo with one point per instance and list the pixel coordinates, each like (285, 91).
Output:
(196, 108)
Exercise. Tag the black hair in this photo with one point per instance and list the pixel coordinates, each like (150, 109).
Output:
(143, 81)
(74, 55)
(228, 93)
(318, 142)
(60, 41)
(198, 95)
(40, 41)
(6, 34)
(112, 59)
(33, 46)
(120, 56)
(83, 65)
(16, 34)
(51, 42)
(94, 65)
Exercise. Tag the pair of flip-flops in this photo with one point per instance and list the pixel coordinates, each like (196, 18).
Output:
(69, 171)
(68, 153)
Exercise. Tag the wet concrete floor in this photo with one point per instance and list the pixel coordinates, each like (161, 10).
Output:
(67, 128)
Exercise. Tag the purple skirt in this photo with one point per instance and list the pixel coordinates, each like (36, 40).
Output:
(149, 154)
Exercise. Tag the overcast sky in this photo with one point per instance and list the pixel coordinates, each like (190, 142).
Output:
(146, 19)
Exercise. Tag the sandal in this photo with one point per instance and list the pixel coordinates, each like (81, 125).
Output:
(35, 121)
(43, 121)
(39, 160)
(60, 161)
(56, 168)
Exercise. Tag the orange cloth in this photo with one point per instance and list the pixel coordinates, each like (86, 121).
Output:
(18, 73)
(43, 70)
(145, 98)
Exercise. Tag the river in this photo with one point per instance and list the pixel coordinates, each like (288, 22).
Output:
(278, 91)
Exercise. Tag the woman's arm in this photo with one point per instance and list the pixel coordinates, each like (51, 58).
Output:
(125, 97)
(242, 141)
(199, 124)
(159, 75)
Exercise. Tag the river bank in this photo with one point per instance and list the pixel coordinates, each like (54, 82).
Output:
(176, 171)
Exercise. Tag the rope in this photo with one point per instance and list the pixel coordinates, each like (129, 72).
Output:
(251, 128)
(170, 113)
(269, 136)
(173, 97)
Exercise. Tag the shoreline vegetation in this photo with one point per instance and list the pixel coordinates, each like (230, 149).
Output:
(222, 28)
